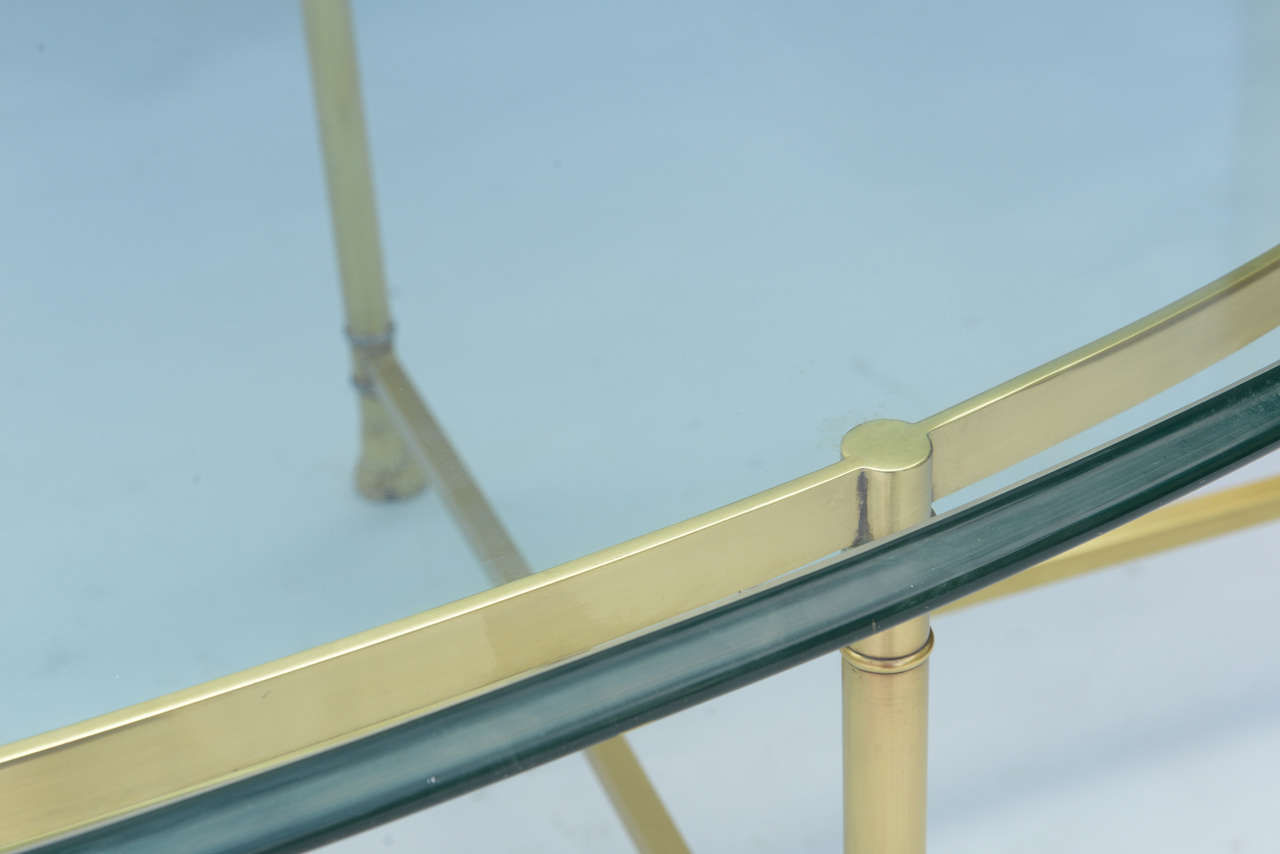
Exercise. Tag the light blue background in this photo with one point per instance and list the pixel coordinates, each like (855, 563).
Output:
(645, 260)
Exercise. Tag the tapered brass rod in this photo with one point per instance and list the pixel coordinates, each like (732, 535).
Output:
(471, 510)
(1180, 524)
(340, 113)
(385, 469)
(634, 797)
(885, 678)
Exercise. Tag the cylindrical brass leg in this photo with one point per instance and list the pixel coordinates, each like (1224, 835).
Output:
(886, 716)
(886, 676)
(386, 469)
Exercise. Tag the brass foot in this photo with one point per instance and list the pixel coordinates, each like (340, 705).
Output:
(386, 471)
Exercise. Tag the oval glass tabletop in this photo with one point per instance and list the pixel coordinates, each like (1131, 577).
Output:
(641, 263)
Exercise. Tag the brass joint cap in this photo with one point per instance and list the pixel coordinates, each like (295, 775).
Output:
(895, 477)
(887, 445)
(888, 666)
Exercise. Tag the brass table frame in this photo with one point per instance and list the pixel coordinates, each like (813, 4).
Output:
(60, 783)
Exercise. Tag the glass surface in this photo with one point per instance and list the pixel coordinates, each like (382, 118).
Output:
(643, 262)
(443, 754)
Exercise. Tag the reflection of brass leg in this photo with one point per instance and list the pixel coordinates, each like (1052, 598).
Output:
(385, 470)
(1188, 521)
(886, 676)
(634, 798)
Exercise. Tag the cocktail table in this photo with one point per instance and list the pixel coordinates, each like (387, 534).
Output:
(659, 262)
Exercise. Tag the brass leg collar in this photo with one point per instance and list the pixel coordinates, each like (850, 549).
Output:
(869, 664)
(372, 345)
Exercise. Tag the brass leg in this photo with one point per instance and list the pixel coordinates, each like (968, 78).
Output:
(385, 470)
(886, 676)
(886, 715)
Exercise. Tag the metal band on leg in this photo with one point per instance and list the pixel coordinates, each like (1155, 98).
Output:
(888, 666)
(374, 344)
